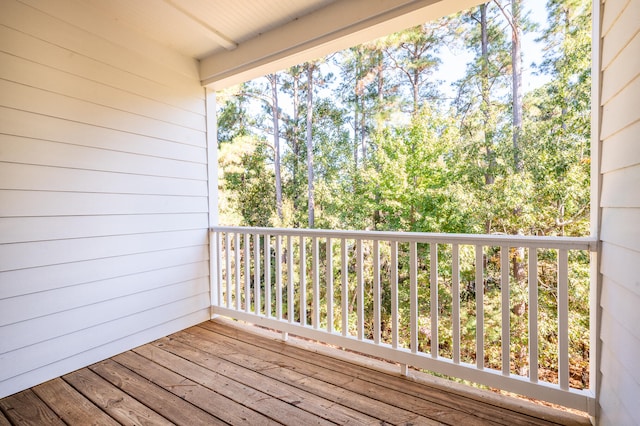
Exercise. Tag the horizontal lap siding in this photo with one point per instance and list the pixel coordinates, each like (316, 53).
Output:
(620, 201)
(103, 191)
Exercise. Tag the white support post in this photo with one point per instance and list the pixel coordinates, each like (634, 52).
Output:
(247, 272)
(303, 282)
(267, 275)
(329, 281)
(344, 294)
(376, 292)
(563, 319)
(215, 271)
(505, 306)
(360, 289)
(533, 314)
(394, 294)
(479, 307)
(455, 292)
(278, 271)
(238, 265)
(433, 292)
(413, 295)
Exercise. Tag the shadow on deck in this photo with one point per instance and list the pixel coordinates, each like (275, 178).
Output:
(222, 372)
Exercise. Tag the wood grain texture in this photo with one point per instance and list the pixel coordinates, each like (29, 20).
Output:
(118, 404)
(25, 408)
(165, 403)
(222, 373)
(71, 406)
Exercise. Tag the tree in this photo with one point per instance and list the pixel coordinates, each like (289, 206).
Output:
(275, 115)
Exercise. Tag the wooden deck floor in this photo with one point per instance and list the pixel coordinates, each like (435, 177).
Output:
(220, 373)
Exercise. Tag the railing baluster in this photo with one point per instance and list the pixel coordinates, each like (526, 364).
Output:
(479, 307)
(394, 294)
(329, 280)
(455, 294)
(238, 265)
(219, 266)
(236, 278)
(267, 275)
(315, 281)
(506, 321)
(376, 291)
(433, 260)
(563, 319)
(256, 273)
(227, 244)
(344, 293)
(278, 267)
(413, 294)
(247, 272)
(290, 292)
(533, 314)
(360, 289)
(303, 283)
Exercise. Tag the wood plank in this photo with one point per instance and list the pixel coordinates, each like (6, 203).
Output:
(43, 52)
(394, 382)
(45, 27)
(251, 397)
(106, 338)
(81, 14)
(49, 203)
(111, 341)
(51, 129)
(27, 72)
(71, 406)
(200, 387)
(626, 26)
(615, 188)
(41, 253)
(64, 299)
(616, 376)
(31, 229)
(621, 265)
(612, 11)
(26, 150)
(289, 394)
(118, 404)
(615, 224)
(45, 278)
(621, 111)
(40, 328)
(164, 402)
(621, 150)
(27, 177)
(3, 420)
(25, 408)
(41, 101)
(334, 386)
(623, 344)
(622, 70)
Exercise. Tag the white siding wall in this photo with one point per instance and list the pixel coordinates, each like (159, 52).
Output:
(103, 191)
(620, 133)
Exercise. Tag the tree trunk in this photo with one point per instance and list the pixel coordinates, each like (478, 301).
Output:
(273, 79)
(310, 143)
(516, 65)
(296, 143)
(485, 107)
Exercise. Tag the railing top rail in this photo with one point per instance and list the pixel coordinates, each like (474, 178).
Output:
(570, 243)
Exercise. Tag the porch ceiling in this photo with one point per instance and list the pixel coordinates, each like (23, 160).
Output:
(236, 40)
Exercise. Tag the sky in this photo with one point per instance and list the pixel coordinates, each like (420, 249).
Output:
(454, 64)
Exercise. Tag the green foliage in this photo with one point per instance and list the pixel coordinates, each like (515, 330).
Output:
(392, 153)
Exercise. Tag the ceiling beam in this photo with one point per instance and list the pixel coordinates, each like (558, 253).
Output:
(339, 25)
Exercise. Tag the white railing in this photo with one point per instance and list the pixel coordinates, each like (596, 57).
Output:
(412, 298)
